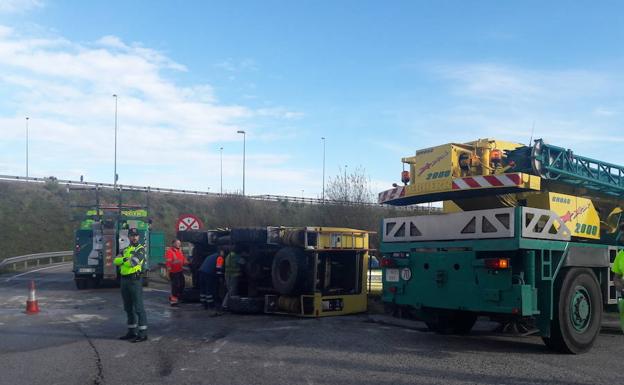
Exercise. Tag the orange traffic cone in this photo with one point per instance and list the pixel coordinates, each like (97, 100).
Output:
(32, 307)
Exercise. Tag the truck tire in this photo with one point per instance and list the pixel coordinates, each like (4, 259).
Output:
(246, 305)
(452, 322)
(577, 312)
(289, 270)
(249, 235)
(193, 236)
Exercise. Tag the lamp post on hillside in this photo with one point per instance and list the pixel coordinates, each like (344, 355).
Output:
(323, 196)
(115, 174)
(244, 139)
(346, 185)
(27, 119)
(221, 158)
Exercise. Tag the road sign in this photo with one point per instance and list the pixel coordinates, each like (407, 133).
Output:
(188, 222)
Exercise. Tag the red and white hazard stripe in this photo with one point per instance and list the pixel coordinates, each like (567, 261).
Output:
(391, 194)
(502, 180)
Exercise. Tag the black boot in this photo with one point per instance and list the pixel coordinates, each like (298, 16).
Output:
(129, 336)
(139, 338)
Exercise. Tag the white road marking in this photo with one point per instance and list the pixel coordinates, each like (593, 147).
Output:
(85, 317)
(36, 270)
(120, 355)
(221, 344)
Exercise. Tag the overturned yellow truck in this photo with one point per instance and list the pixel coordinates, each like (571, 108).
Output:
(302, 271)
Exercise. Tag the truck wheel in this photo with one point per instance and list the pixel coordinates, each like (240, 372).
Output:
(81, 284)
(578, 312)
(246, 305)
(289, 270)
(249, 235)
(452, 322)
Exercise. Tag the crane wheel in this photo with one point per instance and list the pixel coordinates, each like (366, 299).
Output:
(578, 312)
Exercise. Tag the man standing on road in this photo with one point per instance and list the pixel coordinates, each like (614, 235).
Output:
(618, 278)
(175, 261)
(208, 283)
(131, 264)
(233, 271)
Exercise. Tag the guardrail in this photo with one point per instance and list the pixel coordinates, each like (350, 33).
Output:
(272, 198)
(36, 259)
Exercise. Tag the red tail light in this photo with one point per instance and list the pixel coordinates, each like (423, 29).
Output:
(387, 262)
(220, 262)
(497, 263)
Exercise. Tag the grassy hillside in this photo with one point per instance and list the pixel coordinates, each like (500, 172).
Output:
(41, 217)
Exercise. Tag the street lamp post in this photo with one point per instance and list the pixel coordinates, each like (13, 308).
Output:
(27, 119)
(221, 156)
(115, 175)
(346, 185)
(323, 196)
(244, 140)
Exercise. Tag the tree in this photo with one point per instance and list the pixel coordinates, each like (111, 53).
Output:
(353, 187)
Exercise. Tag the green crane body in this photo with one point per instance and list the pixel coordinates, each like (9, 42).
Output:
(528, 240)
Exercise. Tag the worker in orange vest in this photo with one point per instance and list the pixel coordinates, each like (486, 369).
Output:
(175, 261)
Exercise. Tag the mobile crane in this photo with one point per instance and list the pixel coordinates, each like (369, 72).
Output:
(528, 235)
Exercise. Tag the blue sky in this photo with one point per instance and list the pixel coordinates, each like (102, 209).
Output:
(379, 80)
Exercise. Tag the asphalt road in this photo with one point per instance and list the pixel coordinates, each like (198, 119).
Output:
(73, 340)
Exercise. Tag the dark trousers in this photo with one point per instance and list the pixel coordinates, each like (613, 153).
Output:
(231, 284)
(208, 294)
(132, 295)
(177, 283)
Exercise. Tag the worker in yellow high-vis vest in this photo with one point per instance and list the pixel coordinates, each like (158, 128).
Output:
(131, 264)
(618, 279)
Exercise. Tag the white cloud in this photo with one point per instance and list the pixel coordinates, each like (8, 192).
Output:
(66, 88)
(232, 65)
(503, 83)
(17, 6)
(571, 107)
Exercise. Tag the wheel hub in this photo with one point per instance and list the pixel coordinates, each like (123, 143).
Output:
(580, 309)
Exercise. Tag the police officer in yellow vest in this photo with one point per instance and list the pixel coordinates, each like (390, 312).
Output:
(131, 264)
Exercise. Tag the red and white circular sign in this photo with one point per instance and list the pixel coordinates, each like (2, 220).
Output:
(188, 222)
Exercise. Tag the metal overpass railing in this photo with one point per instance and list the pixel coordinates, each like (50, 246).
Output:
(271, 198)
(35, 259)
